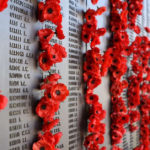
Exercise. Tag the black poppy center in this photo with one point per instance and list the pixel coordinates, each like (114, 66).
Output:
(96, 59)
(49, 95)
(89, 17)
(89, 76)
(121, 110)
(89, 68)
(45, 37)
(85, 36)
(58, 92)
(97, 139)
(44, 60)
(92, 126)
(50, 10)
(43, 107)
(89, 26)
(91, 98)
(93, 81)
(42, 148)
(123, 118)
(54, 56)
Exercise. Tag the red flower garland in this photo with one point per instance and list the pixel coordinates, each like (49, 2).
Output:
(92, 77)
(117, 54)
(54, 93)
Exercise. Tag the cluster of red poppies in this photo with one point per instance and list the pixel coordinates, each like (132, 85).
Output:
(90, 33)
(139, 89)
(51, 11)
(50, 54)
(3, 4)
(134, 9)
(54, 93)
(116, 56)
(92, 77)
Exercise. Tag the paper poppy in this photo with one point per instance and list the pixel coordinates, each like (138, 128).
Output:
(91, 98)
(3, 4)
(147, 29)
(61, 50)
(86, 36)
(46, 109)
(52, 13)
(45, 35)
(44, 61)
(43, 145)
(100, 10)
(90, 15)
(3, 102)
(94, 2)
(93, 83)
(40, 10)
(59, 92)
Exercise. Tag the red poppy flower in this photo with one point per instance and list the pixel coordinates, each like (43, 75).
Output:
(137, 29)
(91, 67)
(119, 106)
(45, 35)
(44, 61)
(98, 111)
(98, 138)
(90, 15)
(3, 102)
(134, 116)
(59, 92)
(91, 98)
(100, 10)
(3, 4)
(147, 29)
(93, 83)
(89, 74)
(52, 13)
(55, 55)
(86, 36)
(49, 125)
(94, 2)
(95, 40)
(46, 109)
(90, 27)
(116, 136)
(145, 120)
(61, 50)
(59, 33)
(40, 10)
(43, 145)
